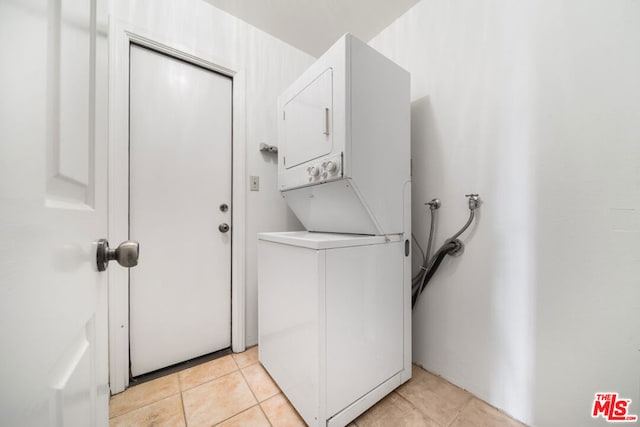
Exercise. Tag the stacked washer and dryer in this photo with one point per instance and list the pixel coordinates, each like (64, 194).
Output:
(335, 300)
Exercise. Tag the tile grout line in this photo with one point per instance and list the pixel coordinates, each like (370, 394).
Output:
(252, 393)
(148, 404)
(265, 414)
(249, 385)
(233, 359)
(415, 407)
(211, 380)
(270, 379)
(246, 366)
(241, 412)
(462, 408)
(184, 411)
(471, 395)
(256, 397)
(181, 392)
(457, 414)
(457, 387)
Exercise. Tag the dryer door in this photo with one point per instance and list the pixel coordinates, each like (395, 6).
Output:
(308, 122)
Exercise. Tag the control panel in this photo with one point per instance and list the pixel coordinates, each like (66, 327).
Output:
(324, 170)
(315, 172)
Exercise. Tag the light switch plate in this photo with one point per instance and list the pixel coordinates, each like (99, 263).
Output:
(254, 183)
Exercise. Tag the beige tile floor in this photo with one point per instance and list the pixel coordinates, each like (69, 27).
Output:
(236, 391)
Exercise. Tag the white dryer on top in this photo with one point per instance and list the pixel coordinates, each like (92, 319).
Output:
(343, 136)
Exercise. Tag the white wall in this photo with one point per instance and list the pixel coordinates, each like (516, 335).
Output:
(536, 106)
(269, 65)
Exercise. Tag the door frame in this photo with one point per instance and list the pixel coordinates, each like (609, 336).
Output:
(121, 36)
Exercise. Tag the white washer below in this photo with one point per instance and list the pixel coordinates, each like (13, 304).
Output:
(334, 320)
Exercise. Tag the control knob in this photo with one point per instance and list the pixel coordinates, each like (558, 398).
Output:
(313, 171)
(330, 166)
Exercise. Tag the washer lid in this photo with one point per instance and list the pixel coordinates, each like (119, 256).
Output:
(313, 240)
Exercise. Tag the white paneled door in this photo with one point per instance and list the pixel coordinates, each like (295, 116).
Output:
(179, 210)
(53, 129)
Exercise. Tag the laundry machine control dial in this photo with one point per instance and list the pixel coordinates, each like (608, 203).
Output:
(330, 166)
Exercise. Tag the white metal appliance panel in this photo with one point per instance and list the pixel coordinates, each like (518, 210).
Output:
(307, 121)
(406, 374)
(290, 294)
(380, 134)
(332, 207)
(371, 141)
(352, 297)
(336, 60)
(313, 240)
(364, 318)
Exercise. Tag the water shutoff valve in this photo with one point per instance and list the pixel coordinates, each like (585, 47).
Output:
(434, 204)
(474, 201)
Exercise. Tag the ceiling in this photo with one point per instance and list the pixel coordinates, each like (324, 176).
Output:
(314, 25)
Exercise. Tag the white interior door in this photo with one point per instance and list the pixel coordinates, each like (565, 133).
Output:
(180, 175)
(53, 117)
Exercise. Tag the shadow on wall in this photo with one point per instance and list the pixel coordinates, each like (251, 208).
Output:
(426, 171)
(434, 178)
(486, 297)
(426, 154)
(269, 157)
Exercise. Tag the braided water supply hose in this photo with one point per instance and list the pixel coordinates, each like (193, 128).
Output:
(452, 246)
